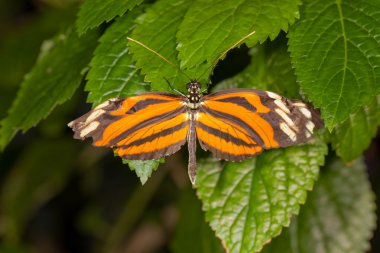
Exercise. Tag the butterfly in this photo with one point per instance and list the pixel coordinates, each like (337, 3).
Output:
(233, 124)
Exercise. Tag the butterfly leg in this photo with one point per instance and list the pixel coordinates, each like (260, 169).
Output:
(192, 146)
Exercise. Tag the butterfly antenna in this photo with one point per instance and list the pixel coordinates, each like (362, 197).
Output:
(226, 51)
(159, 55)
(171, 87)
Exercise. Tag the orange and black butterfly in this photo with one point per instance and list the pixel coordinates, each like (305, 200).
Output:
(233, 124)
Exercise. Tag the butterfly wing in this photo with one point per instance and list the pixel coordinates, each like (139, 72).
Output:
(143, 127)
(239, 123)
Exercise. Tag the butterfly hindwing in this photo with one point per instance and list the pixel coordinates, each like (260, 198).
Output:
(224, 136)
(239, 123)
(143, 127)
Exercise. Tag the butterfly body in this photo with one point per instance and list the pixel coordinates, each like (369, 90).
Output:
(233, 124)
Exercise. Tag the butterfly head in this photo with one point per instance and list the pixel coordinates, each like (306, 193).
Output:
(193, 87)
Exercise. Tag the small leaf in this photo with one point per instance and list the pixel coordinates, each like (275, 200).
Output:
(192, 224)
(51, 82)
(339, 215)
(143, 169)
(212, 26)
(248, 203)
(113, 73)
(269, 70)
(354, 135)
(335, 49)
(94, 12)
(157, 29)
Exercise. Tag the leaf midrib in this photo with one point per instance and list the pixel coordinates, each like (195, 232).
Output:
(341, 19)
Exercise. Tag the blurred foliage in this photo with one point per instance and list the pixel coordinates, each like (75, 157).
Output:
(35, 178)
(20, 46)
(58, 72)
(60, 195)
(191, 222)
(329, 211)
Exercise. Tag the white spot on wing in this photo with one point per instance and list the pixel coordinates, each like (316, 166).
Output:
(310, 126)
(94, 115)
(289, 132)
(308, 134)
(300, 104)
(106, 103)
(280, 104)
(91, 127)
(273, 95)
(305, 112)
(285, 117)
(102, 105)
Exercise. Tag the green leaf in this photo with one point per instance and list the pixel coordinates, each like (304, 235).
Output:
(113, 73)
(191, 224)
(212, 26)
(51, 82)
(94, 12)
(339, 215)
(157, 29)
(269, 70)
(144, 169)
(40, 173)
(354, 135)
(335, 49)
(248, 203)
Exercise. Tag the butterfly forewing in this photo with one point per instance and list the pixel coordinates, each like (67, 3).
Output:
(239, 123)
(143, 127)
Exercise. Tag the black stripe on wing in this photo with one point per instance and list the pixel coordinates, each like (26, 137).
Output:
(147, 122)
(234, 121)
